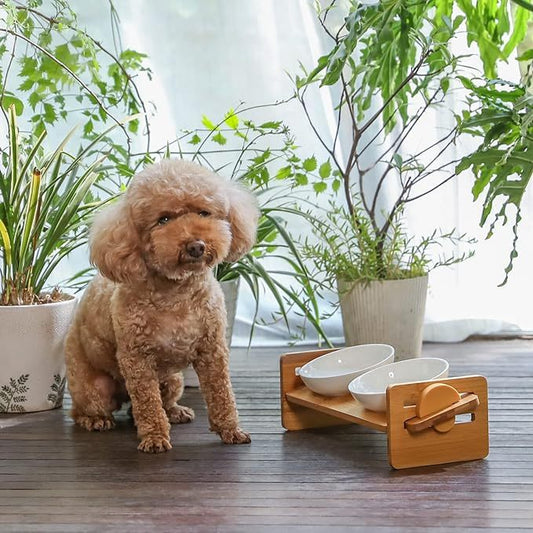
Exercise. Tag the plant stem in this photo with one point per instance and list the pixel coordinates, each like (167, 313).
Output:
(405, 81)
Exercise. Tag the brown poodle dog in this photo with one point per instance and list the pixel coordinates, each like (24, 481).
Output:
(157, 307)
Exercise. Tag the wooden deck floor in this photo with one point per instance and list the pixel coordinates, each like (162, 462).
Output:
(57, 477)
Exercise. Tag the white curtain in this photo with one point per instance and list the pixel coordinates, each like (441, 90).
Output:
(209, 55)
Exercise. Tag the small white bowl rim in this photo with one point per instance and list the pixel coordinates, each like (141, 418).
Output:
(360, 370)
(351, 385)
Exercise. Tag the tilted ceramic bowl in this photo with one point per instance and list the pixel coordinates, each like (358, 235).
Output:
(330, 374)
(370, 388)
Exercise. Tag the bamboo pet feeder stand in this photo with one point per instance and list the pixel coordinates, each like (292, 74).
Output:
(419, 421)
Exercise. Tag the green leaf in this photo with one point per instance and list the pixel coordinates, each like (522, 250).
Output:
(88, 127)
(231, 119)
(9, 100)
(195, 139)
(526, 56)
(31, 209)
(63, 53)
(34, 99)
(309, 164)
(50, 115)
(457, 21)
(284, 173)
(6, 243)
(519, 29)
(300, 179)
(29, 66)
(27, 85)
(325, 170)
(467, 84)
(261, 158)
(219, 139)
(319, 187)
(398, 160)
(208, 124)
(270, 125)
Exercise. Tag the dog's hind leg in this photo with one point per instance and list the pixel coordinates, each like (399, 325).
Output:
(171, 391)
(92, 391)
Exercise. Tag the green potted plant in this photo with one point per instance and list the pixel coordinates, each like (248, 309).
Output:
(46, 200)
(256, 154)
(389, 67)
(52, 71)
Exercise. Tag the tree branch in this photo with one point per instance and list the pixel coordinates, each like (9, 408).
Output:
(432, 189)
(405, 81)
(317, 133)
(322, 22)
(404, 133)
(417, 179)
(408, 128)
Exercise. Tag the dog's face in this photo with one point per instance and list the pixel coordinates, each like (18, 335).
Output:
(182, 232)
(175, 219)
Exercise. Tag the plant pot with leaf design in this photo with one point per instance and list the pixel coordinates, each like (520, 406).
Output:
(31, 355)
(46, 197)
(45, 203)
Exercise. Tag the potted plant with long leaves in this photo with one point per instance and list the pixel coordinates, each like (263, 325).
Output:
(52, 72)
(256, 154)
(388, 68)
(46, 200)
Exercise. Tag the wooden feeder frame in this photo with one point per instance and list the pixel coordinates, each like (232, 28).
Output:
(412, 440)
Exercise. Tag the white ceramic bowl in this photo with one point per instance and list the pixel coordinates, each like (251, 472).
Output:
(370, 388)
(330, 374)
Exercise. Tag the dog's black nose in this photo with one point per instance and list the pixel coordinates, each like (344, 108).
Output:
(196, 248)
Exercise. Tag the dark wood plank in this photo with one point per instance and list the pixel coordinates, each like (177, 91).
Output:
(56, 477)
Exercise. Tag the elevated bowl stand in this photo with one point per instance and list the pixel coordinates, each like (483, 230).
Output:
(420, 420)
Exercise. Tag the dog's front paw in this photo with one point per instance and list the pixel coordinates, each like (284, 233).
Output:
(155, 444)
(179, 414)
(234, 436)
(95, 423)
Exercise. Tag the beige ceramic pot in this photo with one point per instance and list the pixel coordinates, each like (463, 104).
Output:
(385, 312)
(32, 361)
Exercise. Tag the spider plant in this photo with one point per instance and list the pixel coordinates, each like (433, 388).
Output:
(257, 154)
(45, 203)
(290, 284)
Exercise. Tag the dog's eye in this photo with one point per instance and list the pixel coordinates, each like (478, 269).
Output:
(204, 213)
(163, 220)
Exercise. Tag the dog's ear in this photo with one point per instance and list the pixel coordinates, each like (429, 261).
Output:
(115, 246)
(243, 216)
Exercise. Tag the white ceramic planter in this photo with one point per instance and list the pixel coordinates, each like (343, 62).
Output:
(32, 361)
(385, 312)
(231, 293)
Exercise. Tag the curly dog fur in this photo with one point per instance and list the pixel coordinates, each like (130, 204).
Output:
(156, 306)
